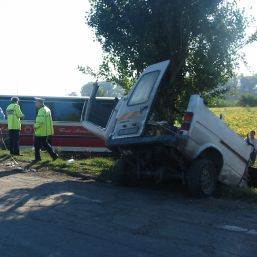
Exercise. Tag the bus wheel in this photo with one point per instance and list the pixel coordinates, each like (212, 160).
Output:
(202, 178)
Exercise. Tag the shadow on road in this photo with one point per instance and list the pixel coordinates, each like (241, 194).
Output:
(42, 218)
(73, 218)
(51, 219)
(9, 172)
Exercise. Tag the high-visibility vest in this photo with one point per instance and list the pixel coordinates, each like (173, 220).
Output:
(14, 115)
(44, 123)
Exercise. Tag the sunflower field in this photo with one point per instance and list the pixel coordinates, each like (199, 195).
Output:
(240, 119)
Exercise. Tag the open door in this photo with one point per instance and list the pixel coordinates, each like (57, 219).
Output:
(135, 108)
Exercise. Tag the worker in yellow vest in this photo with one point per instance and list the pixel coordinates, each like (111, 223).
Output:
(43, 129)
(14, 115)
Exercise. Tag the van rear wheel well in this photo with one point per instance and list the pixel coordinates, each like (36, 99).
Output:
(214, 156)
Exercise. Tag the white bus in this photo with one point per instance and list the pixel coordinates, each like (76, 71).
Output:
(68, 113)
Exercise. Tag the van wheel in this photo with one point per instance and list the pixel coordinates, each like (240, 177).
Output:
(202, 178)
(124, 174)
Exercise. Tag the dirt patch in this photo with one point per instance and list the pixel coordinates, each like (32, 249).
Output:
(11, 166)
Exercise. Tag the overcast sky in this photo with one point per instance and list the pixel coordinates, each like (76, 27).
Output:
(43, 41)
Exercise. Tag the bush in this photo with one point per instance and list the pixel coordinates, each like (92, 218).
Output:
(223, 103)
(248, 100)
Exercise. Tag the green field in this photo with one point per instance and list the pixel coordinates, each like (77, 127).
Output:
(240, 119)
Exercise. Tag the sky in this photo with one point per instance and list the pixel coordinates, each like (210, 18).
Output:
(42, 42)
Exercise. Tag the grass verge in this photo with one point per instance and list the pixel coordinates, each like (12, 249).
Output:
(96, 167)
(237, 193)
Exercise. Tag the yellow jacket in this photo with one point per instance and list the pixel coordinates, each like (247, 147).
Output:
(44, 123)
(14, 115)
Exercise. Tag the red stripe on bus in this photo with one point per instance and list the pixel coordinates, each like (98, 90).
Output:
(63, 133)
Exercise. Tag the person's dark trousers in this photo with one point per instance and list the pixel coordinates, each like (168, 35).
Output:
(40, 142)
(14, 136)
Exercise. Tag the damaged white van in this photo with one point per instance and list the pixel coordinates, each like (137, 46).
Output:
(201, 152)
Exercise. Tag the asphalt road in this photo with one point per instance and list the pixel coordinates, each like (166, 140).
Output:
(52, 216)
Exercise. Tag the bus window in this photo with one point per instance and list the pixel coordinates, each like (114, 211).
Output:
(66, 111)
(101, 111)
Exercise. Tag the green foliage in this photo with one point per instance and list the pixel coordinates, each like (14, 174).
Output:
(248, 100)
(217, 102)
(248, 84)
(241, 119)
(88, 71)
(106, 89)
(242, 91)
(202, 38)
(87, 89)
(253, 37)
(112, 70)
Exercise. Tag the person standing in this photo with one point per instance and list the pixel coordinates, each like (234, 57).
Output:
(252, 141)
(14, 115)
(43, 129)
(2, 117)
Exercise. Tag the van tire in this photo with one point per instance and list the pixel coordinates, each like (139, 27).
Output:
(202, 178)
